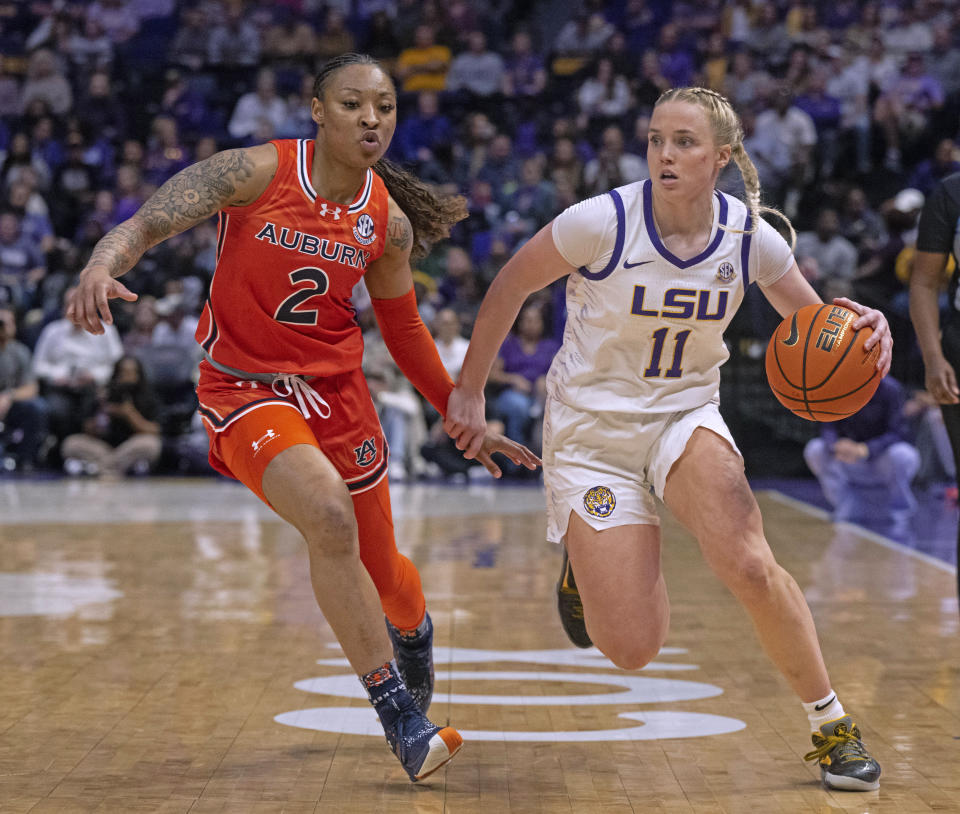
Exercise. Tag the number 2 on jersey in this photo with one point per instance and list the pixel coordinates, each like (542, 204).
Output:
(659, 340)
(290, 310)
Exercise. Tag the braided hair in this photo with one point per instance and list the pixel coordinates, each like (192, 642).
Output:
(431, 215)
(728, 130)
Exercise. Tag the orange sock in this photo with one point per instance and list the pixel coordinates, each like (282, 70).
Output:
(395, 577)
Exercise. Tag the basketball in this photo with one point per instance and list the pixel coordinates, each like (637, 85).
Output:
(816, 364)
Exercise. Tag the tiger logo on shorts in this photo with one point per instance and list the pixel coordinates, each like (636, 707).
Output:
(599, 501)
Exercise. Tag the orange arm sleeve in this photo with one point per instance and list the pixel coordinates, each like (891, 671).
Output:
(412, 348)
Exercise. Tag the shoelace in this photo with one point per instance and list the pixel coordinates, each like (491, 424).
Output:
(307, 397)
(849, 743)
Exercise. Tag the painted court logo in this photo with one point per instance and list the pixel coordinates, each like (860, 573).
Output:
(600, 501)
(364, 231)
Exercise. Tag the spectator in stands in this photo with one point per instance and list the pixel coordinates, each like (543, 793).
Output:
(70, 364)
(929, 172)
(793, 128)
(520, 370)
(35, 225)
(424, 65)
(116, 18)
(651, 82)
(904, 111)
(100, 111)
(130, 193)
(428, 131)
(22, 265)
(381, 40)
(261, 103)
(877, 279)
(290, 40)
(140, 333)
(861, 224)
(767, 36)
(478, 71)
(23, 414)
(234, 40)
(19, 159)
(827, 259)
(534, 201)
(525, 75)
(451, 343)
(603, 98)
(120, 432)
(188, 107)
(585, 35)
(45, 81)
(166, 155)
(944, 64)
(870, 449)
(565, 164)
(825, 111)
(335, 38)
(90, 48)
(191, 44)
(613, 167)
(744, 84)
(500, 168)
(677, 61)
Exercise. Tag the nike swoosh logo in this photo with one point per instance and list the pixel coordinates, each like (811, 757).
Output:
(629, 265)
(794, 333)
(821, 707)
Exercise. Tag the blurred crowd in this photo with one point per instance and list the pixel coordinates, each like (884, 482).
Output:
(851, 112)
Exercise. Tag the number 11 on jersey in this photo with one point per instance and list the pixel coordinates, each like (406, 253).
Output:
(659, 340)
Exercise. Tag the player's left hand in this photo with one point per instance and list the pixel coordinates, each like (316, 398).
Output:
(518, 453)
(881, 331)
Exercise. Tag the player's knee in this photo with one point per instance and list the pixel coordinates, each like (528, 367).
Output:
(749, 574)
(632, 652)
(632, 646)
(329, 525)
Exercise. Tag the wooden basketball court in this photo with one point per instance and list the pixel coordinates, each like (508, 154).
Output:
(162, 652)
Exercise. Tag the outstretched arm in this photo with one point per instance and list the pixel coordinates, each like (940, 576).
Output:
(534, 266)
(389, 281)
(229, 178)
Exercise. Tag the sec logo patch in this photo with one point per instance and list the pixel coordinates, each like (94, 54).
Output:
(600, 501)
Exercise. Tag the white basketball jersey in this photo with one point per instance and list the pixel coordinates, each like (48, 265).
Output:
(644, 330)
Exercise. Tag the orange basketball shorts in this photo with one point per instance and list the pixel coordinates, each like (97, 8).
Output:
(250, 422)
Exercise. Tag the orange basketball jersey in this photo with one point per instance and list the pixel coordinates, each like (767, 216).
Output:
(279, 300)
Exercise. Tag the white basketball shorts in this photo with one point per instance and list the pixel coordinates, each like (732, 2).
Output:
(607, 467)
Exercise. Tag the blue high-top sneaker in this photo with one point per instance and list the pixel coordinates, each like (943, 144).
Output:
(413, 650)
(422, 747)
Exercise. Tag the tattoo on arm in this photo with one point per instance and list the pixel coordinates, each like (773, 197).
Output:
(400, 232)
(190, 196)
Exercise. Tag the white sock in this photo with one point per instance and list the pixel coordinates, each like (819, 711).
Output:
(826, 709)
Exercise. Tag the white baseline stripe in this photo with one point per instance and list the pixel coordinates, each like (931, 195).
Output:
(879, 539)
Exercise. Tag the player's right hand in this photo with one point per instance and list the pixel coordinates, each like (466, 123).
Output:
(88, 304)
(941, 382)
(465, 422)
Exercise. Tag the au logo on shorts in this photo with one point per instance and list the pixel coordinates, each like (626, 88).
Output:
(366, 453)
(599, 501)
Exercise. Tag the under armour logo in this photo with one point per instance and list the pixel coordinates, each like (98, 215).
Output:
(263, 440)
(324, 209)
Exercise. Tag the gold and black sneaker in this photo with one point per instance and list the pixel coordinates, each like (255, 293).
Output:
(570, 606)
(844, 761)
